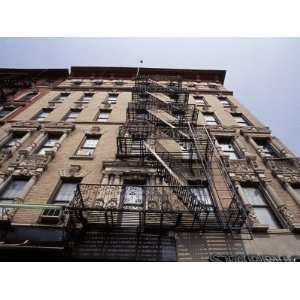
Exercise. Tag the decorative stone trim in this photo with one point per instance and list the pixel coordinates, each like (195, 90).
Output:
(74, 171)
(256, 131)
(26, 125)
(286, 170)
(287, 214)
(59, 126)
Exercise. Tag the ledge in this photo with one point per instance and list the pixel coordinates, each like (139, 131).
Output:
(81, 157)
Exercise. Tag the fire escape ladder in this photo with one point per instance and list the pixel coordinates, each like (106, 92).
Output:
(177, 184)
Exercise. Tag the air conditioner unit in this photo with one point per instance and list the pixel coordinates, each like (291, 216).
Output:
(51, 216)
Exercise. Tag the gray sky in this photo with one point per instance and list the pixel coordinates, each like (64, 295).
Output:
(264, 73)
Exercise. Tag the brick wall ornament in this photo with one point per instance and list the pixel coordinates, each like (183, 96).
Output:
(287, 214)
(64, 126)
(26, 125)
(73, 171)
(287, 170)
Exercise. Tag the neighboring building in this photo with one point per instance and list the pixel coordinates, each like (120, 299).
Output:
(142, 164)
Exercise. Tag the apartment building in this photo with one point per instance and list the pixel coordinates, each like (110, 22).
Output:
(127, 164)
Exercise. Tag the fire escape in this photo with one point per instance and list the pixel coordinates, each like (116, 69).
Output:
(161, 131)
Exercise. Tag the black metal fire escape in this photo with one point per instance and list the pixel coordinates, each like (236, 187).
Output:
(160, 114)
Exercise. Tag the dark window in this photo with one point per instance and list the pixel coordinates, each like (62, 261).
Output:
(227, 148)
(97, 82)
(201, 192)
(240, 120)
(88, 147)
(258, 201)
(103, 115)
(72, 115)
(16, 137)
(224, 101)
(134, 193)
(210, 119)
(5, 111)
(66, 192)
(267, 149)
(13, 189)
(199, 100)
(112, 98)
(48, 144)
(87, 97)
(77, 82)
(43, 114)
(62, 97)
(29, 96)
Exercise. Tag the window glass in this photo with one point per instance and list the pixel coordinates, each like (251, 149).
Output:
(66, 192)
(72, 116)
(297, 190)
(224, 101)
(134, 194)
(199, 100)
(48, 145)
(262, 210)
(5, 112)
(254, 196)
(88, 147)
(103, 115)
(15, 138)
(202, 194)
(87, 97)
(210, 119)
(266, 147)
(240, 120)
(63, 96)
(112, 98)
(13, 189)
(266, 217)
(227, 148)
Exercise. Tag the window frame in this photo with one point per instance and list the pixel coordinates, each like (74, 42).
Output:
(137, 183)
(72, 110)
(42, 144)
(59, 99)
(270, 149)
(112, 101)
(8, 184)
(213, 115)
(101, 111)
(231, 142)
(80, 147)
(246, 121)
(202, 98)
(11, 138)
(193, 184)
(225, 99)
(43, 110)
(267, 205)
(63, 180)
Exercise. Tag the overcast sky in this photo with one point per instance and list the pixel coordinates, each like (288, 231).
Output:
(264, 73)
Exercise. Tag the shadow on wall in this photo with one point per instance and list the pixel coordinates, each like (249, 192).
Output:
(200, 246)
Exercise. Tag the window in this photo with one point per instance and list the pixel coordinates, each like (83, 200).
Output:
(77, 82)
(118, 82)
(87, 97)
(29, 96)
(224, 101)
(43, 114)
(227, 148)
(240, 119)
(16, 137)
(13, 189)
(210, 119)
(48, 144)
(267, 149)
(62, 97)
(112, 98)
(72, 115)
(103, 115)
(297, 189)
(263, 212)
(5, 111)
(97, 82)
(134, 193)
(88, 146)
(199, 100)
(213, 86)
(201, 193)
(66, 191)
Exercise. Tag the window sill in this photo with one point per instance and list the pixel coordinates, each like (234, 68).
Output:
(84, 157)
